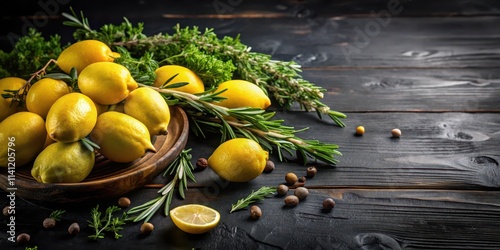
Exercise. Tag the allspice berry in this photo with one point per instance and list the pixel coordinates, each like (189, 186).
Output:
(302, 179)
(49, 223)
(311, 171)
(291, 201)
(255, 212)
(124, 202)
(147, 228)
(301, 192)
(23, 238)
(291, 178)
(360, 130)
(396, 133)
(269, 167)
(328, 204)
(74, 229)
(5, 211)
(282, 189)
(201, 164)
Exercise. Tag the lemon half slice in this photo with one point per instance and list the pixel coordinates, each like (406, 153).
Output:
(194, 218)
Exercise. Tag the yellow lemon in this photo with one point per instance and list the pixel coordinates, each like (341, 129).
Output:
(242, 93)
(238, 160)
(71, 118)
(149, 107)
(81, 54)
(195, 84)
(6, 106)
(121, 137)
(43, 94)
(22, 136)
(63, 162)
(106, 83)
(194, 218)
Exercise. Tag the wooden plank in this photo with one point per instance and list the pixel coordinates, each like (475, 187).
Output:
(409, 90)
(444, 151)
(372, 219)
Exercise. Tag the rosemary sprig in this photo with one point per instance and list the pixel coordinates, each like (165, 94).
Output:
(57, 214)
(215, 60)
(181, 169)
(106, 223)
(255, 196)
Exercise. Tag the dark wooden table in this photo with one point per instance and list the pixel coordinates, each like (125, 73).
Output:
(430, 68)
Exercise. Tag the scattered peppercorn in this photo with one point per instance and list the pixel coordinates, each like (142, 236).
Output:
(291, 200)
(74, 229)
(5, 211)
(147, 228)
(255, 212)
(49, 223)
(328, 204)
(23, 238)
(301, 192)
(282, 189)
(360, 130)
(291, 178)
(311, 171)
(201, 164)
(124, 202)
(396, 133)
(269, 167)
(302, 179)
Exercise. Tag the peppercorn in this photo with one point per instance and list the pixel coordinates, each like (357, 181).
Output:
(396, 133)
(269, 167)
(74, 229)
(49, 223)
(302, 179)
(124, 202)
(291, 200)
(360, 130)
(311, 171)
(282, 189)
(291, 178)
(328, 204)
(255, 212)
(23, 238)
(201, 164)
(147, 228)
(301, 192)
(5, 211)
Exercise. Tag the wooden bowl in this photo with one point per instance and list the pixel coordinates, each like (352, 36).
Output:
(108, 178)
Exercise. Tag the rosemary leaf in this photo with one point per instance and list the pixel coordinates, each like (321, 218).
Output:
(255, 196)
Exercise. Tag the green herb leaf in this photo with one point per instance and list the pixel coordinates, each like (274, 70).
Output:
(255, 196)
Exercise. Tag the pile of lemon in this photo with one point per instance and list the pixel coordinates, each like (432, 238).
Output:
(108, 108)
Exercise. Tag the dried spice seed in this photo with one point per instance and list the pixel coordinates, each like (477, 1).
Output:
(311, 171)
(291, 201)
(301, 192)
(302, 179)
(269, 167)
(49, 223)
(147, 228)
(360, 130)
(255, 212)
(328, 204)
(5, 211)
(124, 202)
(396, 133)
(291, 178)
(282, 189)
(23, 238)
(74, 229)
(201, 164)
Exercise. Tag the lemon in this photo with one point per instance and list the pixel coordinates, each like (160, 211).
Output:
(71, 118)
(26, 133)
(194, 218)
(242, 93)
(43, 93)
(106, 83)
(63, 162)
(121, 137)
(6, 106)
(238, 160)
(195, 84)
(81, 54)
(149, 107)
